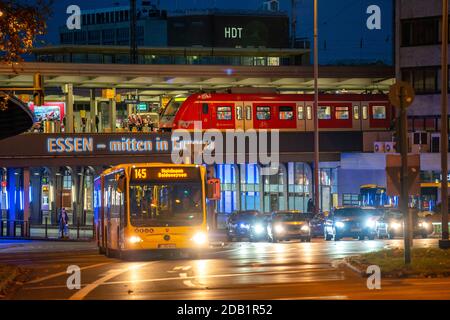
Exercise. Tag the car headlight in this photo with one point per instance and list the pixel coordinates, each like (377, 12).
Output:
(279, 228)
(200, 238)
(134, 239)
(395, 225)
(259, 228)
(339, 224)
(370, 223)
(244, 226)
(305, 228)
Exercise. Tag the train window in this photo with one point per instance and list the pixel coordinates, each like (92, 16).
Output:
(324, 113)
(342, 113)
(239, 113)
(248, 112)
(300, 112)
(263, 113)
(286, 113)
(356, 112)
(364, 113)
(224, 113)
(379, 112)
(309, 112)
(205, 108)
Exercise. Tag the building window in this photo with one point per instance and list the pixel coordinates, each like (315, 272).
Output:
(324, 113)
(263, 113)
(250, 193)
(379, 112)
(273, 61)
(224, 113)
(67, 182)
(286, 113)
(419, 32)
(342, 113)
(424, 80)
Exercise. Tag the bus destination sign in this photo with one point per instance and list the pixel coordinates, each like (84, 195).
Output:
(165, 173)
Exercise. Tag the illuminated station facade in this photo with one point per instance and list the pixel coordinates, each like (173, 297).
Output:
(92, 95)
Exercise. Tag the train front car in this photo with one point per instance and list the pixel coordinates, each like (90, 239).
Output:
(285, 112)
(168, 114)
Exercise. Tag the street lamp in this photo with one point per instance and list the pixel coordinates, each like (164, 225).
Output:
(444, 242)
(316, 115)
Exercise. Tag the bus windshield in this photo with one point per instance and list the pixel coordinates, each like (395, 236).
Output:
(165, 204)
(173, 106)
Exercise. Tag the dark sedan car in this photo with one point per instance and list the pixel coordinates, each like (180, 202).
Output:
(246, 224)
(287, 225)
(391, 225)
(354, 222)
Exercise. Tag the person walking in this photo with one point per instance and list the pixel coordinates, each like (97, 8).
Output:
(97, 121)
(63, 221)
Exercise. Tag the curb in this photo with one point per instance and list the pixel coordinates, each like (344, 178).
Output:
(347, 264)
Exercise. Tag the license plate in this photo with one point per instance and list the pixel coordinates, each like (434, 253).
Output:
(165, 246)
(355, 229)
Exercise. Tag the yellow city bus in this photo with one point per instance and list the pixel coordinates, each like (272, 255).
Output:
(151, 206)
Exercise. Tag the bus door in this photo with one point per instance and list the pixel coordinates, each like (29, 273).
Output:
(239, 115)
(301, 116)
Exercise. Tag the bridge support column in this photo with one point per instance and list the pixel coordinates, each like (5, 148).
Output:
(113, 115)
(26, 200)
(69, 123)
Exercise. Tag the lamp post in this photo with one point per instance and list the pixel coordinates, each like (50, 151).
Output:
(444, 242)
(316, 119)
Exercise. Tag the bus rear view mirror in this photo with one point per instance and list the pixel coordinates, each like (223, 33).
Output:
(213, 189)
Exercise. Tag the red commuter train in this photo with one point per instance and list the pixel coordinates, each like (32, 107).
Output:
(286, 112)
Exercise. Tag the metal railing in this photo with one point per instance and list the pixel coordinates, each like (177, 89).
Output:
(21, 229)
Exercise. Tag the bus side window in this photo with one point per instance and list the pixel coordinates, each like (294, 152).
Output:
(356, 112)
(239, 113)
(248, 113)
(364, 113)
(309, 112)
(205, 108)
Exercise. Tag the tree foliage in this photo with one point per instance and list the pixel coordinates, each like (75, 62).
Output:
(20, 25)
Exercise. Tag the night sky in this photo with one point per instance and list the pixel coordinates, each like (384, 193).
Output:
(342, 31)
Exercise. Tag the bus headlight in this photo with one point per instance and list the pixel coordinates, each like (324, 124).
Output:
(259, 229)
(305, 228)
(424, 225)
(279, 228)
(134, 239)
(200, 238)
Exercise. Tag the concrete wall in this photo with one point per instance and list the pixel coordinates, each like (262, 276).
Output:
(420, 8)
(429, 104)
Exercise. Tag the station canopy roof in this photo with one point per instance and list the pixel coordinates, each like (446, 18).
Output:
(15, 116)
(176, 79)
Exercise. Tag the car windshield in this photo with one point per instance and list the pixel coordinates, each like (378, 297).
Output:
(248, 216)
(165, 204)
(394, 214)
(348, 212)
(290, 217)
(173, 106)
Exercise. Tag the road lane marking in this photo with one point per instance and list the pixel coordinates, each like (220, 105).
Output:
(81, 294)
(187, 283)
(335, 277)
(62, 273)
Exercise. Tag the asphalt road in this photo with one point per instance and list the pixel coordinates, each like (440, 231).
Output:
(289, 270)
